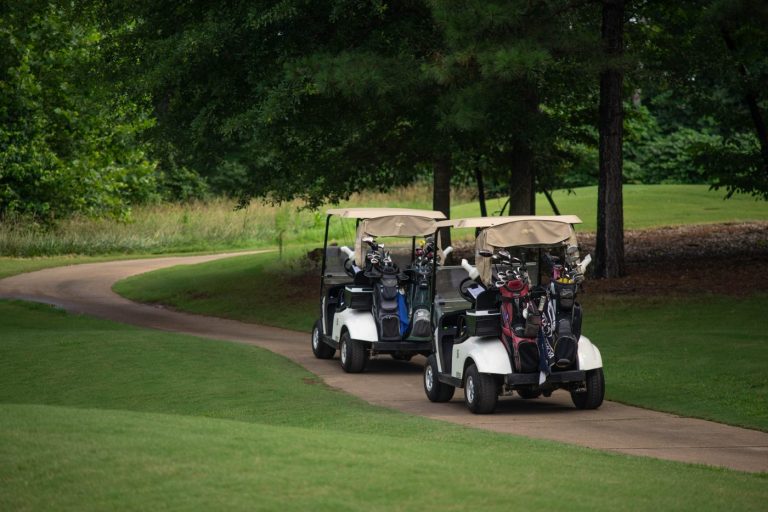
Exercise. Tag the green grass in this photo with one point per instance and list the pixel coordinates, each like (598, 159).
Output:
(96, 415)
(703, 357)
(645, 206)
(260, 290)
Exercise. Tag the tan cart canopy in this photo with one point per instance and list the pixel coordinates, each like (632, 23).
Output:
(388, 222)
(517, 231)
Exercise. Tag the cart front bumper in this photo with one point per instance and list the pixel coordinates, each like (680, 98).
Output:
(520, 379)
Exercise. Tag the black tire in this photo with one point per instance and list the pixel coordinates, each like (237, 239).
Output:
(436, 391)
(592, 398)
(321, 349)
(353, 354)
(479, 391)
(528, 393)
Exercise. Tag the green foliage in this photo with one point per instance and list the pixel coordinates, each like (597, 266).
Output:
(68, 142)
(654, 155)
(735, 164)
(694, 81)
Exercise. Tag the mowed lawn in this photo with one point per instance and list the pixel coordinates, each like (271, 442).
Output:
(96, 415)
(645, 206)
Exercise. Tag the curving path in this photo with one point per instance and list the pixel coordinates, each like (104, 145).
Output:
(614, 427)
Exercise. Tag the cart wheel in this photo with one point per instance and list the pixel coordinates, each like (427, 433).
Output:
(592, 398)
(436, 391)
(353, 354)
(321, 349)
(479, 391)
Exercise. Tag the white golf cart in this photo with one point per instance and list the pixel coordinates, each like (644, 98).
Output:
(505, 325)
(377, 299)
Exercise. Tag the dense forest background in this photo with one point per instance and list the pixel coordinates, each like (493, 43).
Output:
(104, 105)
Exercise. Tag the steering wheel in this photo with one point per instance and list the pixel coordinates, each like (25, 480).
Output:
(464, 287)
(348, 267)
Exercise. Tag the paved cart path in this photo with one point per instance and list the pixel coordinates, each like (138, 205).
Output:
(615, 427)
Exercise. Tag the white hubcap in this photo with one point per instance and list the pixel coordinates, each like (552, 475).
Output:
(428, 376)
(344, 352)
(315, 339)
(470, 389)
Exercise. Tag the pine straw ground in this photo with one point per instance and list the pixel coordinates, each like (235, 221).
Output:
(730, 259)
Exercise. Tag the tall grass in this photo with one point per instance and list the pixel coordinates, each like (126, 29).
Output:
(198, 226)
(216, 224)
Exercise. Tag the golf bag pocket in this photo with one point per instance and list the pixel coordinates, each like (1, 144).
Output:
(390, 327)
(421, 325)
(576, 320)
(525, 354)
(532, 325)
(566, 344)
(565, 294)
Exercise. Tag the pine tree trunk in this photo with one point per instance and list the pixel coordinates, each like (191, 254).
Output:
(609, 243)
(522, 179)
(480, 192)
(441, 193)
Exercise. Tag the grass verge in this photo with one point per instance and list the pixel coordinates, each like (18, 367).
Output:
(701, 357)
(13, 266)
(97, 415)
(262, 290)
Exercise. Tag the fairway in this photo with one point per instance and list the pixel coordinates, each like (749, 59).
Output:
(645, 206)
(98, 415)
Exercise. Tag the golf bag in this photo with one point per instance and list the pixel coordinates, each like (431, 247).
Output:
(520, 323)
(421, 316)
(385, 306)
(565, 319)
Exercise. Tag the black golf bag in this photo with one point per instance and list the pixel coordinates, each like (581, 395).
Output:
(421, 316)
(566, 327)
(385, 307)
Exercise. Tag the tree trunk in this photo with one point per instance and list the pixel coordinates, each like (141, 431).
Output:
(609, 243)
(551, 201)
(441, 193)
(481, 192)
(522, 179)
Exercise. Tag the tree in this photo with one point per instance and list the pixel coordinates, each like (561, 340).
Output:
(513, 67)
(289, 100)
(720, 82)
(609, 242)
(69, 143)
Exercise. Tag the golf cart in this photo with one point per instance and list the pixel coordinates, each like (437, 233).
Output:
(506, 326)
(377, 299)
